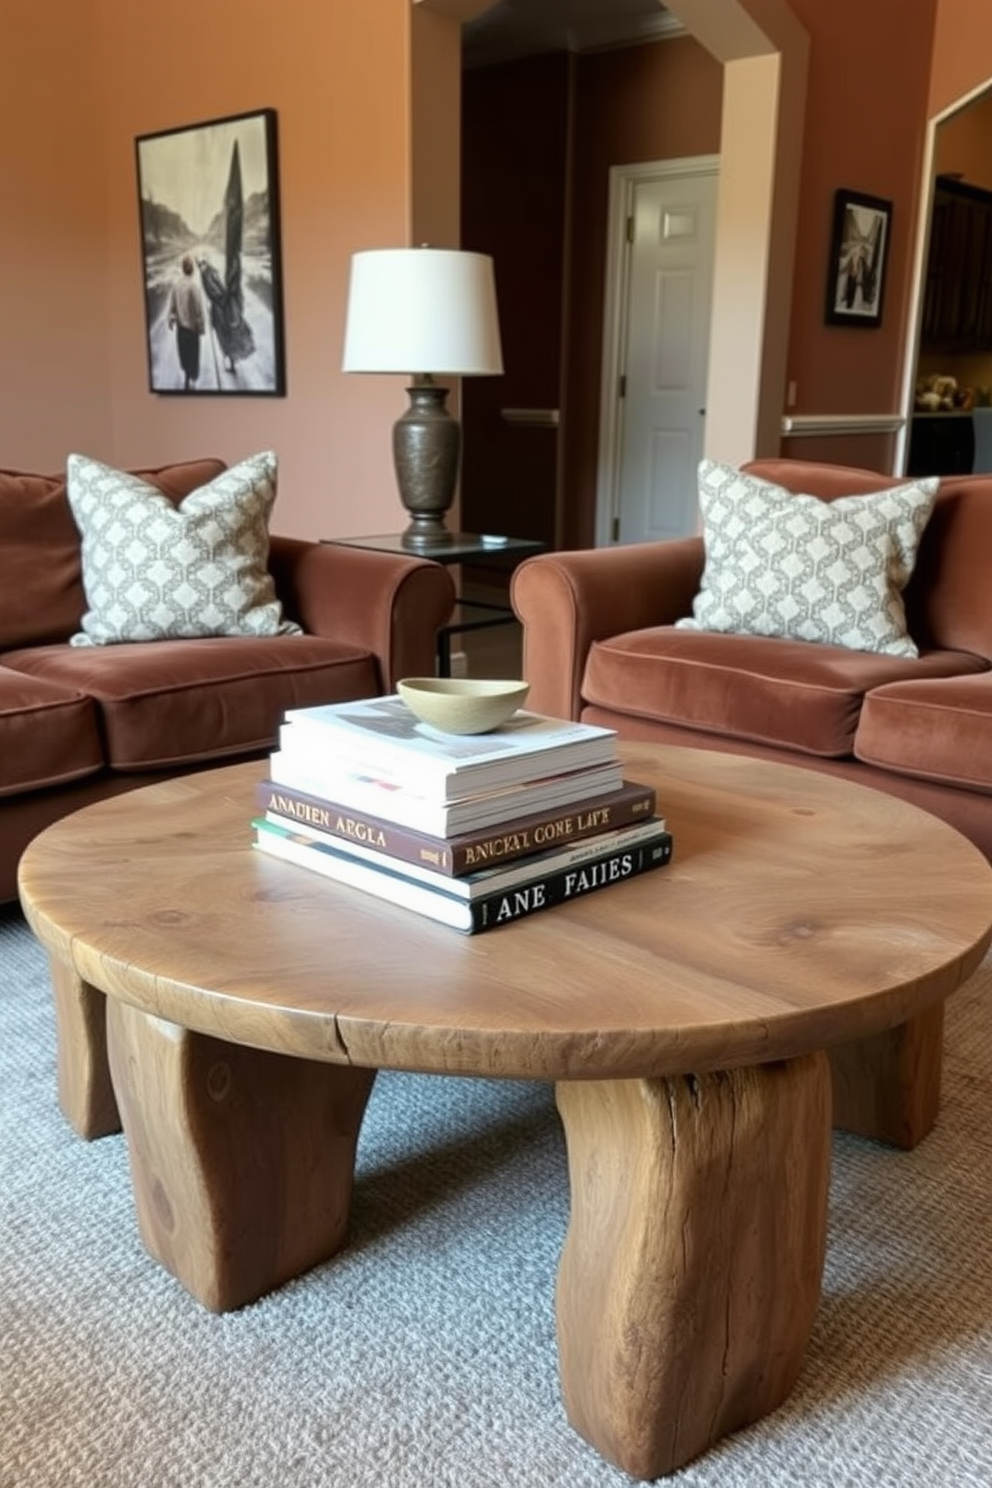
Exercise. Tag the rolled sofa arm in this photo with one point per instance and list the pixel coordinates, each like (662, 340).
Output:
(566, 601)
(393, 605)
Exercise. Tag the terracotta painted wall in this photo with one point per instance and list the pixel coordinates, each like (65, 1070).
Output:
(81, 80)
(54, 333)
(963, 144)
(837, 369)
(435, 148)
(962, 52)
(338, 77)
(944, 55)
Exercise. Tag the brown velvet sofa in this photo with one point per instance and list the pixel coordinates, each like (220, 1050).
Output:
(78, 723)
(600, 644)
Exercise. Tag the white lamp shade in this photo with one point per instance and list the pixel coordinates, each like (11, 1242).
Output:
(422, 310)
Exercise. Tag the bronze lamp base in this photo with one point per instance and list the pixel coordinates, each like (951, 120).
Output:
(427, 445)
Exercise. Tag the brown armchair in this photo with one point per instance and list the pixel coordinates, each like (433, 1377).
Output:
(600, 643)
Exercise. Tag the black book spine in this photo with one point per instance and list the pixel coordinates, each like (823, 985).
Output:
(503, 907)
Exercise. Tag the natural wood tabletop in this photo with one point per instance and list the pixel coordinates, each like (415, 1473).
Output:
(684, 1015)
(799, 910)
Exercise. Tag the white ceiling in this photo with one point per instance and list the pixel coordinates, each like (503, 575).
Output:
(521, 28)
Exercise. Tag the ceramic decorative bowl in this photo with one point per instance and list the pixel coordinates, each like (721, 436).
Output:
(462, 705)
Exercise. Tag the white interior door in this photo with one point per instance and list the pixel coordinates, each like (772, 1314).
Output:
(656, 351)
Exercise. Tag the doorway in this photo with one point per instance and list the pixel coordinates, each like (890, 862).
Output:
(952, 371)
(539, 138)
(659, 277)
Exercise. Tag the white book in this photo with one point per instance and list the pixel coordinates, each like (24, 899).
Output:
(365, 790)
(384, 733)
(469, 916)
(485, 880)
(398, 890)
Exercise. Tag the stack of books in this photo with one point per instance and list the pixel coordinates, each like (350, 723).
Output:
(472, 830)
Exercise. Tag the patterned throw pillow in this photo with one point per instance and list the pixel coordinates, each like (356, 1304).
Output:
(155, 571)
(783, 564)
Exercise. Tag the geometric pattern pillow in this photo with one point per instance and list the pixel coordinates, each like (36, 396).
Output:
(154, 571)
(782, 564)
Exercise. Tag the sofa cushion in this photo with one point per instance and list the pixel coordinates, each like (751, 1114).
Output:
(48, 734)
(778, 692)
(41, 590)
(154, 571)
(939, 730)
(167, 703)
(41, 585)
(780, 563)
(947, 600)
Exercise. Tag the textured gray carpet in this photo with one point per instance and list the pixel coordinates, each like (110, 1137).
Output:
(425, 1354)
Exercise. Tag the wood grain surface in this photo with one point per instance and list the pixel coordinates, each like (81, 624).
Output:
(691, 1271)
(799, 911)
(684, 1016)
(242, 1162)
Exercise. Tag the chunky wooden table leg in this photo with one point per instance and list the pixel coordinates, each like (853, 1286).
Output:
(242, 1160)
(888, 1086)
(86, 1093)
(691, 1271)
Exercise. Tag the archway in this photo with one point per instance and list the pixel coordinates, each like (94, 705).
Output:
(764, 51)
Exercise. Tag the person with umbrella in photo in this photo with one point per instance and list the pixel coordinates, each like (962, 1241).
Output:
(227, 318)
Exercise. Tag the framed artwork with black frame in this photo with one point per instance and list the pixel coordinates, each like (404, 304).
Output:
(209, 216)
(858, 264)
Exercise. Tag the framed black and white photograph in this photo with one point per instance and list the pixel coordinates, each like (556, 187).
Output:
(859, 251)
(209, 213)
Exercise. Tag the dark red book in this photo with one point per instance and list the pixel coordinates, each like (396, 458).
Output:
(468, 851)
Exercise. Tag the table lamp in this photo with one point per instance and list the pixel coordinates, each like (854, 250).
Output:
(425, 312)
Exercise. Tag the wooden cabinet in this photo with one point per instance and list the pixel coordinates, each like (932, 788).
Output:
(957, 297)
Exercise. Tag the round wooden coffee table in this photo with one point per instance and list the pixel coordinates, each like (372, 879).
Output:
(704, 1024)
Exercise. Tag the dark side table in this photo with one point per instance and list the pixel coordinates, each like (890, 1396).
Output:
(478, 549)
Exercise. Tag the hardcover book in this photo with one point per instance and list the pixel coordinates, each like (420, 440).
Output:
(465, 852)
(470, 916)
(382, 733)
(363, 789)
(473, 886)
